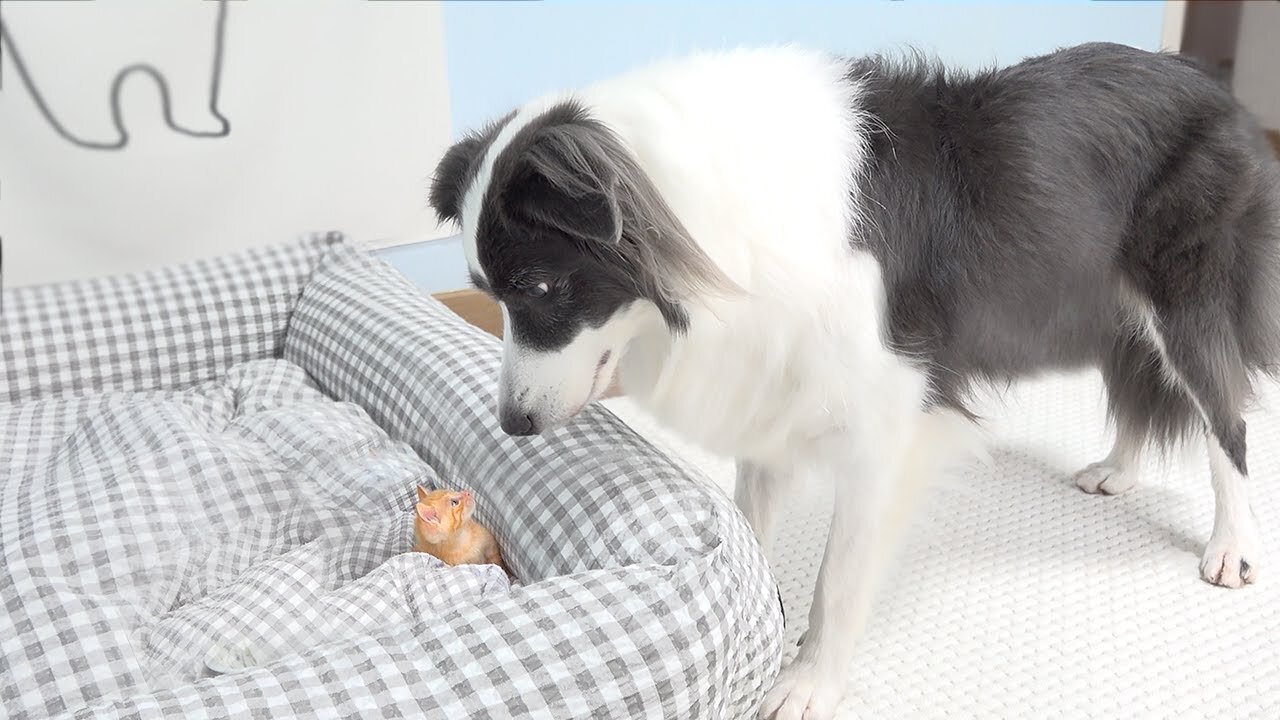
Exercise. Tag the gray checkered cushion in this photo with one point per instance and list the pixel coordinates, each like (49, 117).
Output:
(163, 329)
(251, 513)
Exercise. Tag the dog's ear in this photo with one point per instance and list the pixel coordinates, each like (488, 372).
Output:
(565, 182)
(451, 178)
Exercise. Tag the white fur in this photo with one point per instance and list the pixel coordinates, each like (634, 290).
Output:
(791, 377)
(562, 383)
(1235, 528)
(1116, 473)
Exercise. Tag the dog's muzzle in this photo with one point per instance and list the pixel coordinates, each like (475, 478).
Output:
(515, 421)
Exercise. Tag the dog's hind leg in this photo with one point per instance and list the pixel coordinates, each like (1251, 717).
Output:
(1144, 404)
(1198, 346)
(1233, 554)
(1118, 471)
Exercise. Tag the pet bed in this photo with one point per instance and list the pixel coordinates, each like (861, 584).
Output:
(206, 483)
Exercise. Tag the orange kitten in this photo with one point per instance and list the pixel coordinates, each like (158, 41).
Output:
(442, 526)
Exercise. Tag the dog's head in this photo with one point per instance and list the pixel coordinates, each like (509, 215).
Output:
(563, 228)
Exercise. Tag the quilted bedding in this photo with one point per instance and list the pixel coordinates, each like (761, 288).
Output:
(249, 515)
(206, 478)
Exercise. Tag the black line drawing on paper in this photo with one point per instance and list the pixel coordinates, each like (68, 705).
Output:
(117, 116)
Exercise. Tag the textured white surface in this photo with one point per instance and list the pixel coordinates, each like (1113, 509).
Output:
(1018, 595)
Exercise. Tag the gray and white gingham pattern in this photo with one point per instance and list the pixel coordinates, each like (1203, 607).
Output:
(267, 512)
(167, 328)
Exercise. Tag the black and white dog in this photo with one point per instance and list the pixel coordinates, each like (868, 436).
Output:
(807, 262)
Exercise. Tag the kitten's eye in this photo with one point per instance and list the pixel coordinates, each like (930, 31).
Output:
(455, 502)
(537, 291)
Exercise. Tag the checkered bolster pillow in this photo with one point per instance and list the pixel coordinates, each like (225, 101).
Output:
(163, 329)
(617, 546)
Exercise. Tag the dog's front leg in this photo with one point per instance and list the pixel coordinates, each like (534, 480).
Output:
(759, 493)
(872, 499)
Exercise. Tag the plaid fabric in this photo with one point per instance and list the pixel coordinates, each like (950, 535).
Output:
(644, 579)
(169, 328)
(253, 522)
(250, 515)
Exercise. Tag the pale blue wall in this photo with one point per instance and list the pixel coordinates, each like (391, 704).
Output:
(433, 266)
(502, 53)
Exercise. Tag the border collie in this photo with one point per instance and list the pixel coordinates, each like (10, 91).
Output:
(809, 262)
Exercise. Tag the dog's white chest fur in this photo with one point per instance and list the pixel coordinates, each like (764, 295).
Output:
(763, 377)
(753, 408)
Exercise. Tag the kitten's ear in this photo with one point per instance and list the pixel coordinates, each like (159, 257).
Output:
(422, 494)
(428, 514)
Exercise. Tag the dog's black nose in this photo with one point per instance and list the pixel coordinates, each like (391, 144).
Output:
(518, 423)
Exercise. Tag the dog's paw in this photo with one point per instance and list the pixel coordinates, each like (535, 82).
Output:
(803, 692)
(1231, 559)
(1103, 479)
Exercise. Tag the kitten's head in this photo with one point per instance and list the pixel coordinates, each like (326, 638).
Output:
(440, 513)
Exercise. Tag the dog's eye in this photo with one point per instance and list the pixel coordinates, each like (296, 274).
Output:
(537, 291)
(455, 502)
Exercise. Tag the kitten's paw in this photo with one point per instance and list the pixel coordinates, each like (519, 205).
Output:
(1103, 479)
(803, 692)
(1232, 558)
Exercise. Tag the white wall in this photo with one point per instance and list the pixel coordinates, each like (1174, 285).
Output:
(1257, 69)
(1173, 25)
(338, 109)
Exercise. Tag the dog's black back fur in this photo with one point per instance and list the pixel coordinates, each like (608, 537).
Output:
(1025, 217)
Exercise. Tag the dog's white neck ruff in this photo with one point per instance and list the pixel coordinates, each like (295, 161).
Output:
(758, 153)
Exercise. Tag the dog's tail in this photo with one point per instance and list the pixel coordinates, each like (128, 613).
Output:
(1260, 275)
